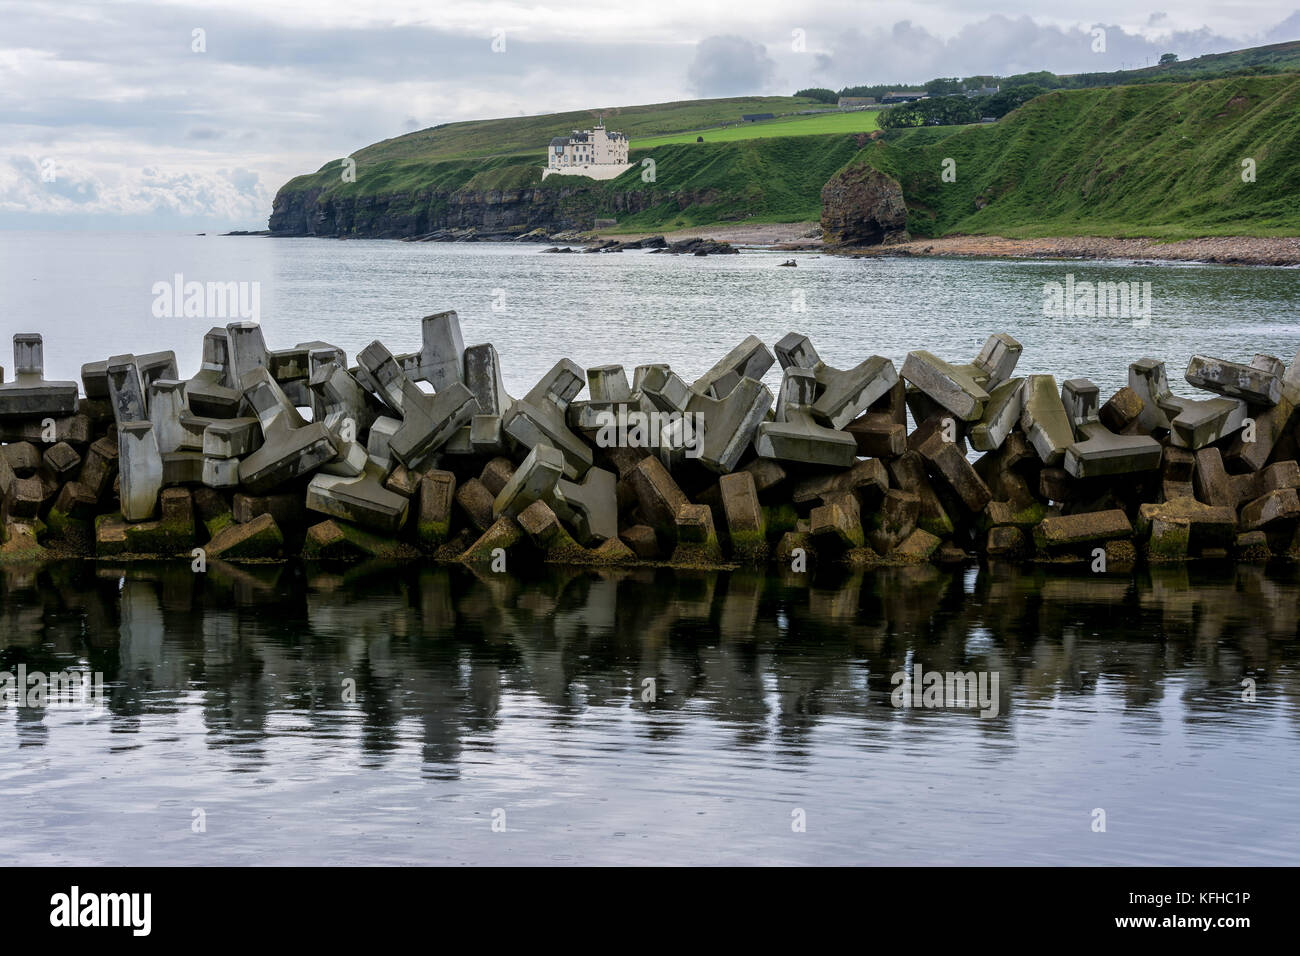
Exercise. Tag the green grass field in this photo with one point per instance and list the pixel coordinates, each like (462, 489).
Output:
(1162, 160)
(863, 121)
(530, 134)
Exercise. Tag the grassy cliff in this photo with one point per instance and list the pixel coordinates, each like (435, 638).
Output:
(1162, 160)
(1155, 159)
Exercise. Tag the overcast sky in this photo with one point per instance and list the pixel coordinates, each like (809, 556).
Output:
(110, 117)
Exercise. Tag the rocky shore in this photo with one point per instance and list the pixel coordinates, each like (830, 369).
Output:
(298, 453)
(1229, 250)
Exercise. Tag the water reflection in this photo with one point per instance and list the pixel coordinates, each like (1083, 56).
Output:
(451, 657)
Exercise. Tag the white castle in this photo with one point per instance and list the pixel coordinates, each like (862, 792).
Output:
(596, 153)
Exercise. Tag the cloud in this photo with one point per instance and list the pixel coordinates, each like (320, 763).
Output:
(55, 186)
(730, 66)
(997, 44)
(109, 91)
(1288, 29)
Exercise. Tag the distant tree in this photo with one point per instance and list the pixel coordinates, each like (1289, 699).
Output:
(943, 86)
(1003, 102)
(1168, 58)
(878, 90)
(940, 111)
(1048, 81)
(820, 94)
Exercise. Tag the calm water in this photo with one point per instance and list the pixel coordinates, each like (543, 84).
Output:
(91, 295)
(483, 694)
(477, 696)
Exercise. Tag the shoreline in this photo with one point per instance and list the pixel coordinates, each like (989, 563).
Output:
(795, 237)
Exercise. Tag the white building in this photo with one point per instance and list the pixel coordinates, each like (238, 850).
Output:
(596, 153)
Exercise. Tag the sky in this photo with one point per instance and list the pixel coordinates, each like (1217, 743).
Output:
(154, 114)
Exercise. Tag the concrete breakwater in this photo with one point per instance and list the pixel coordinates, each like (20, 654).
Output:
(295, 452)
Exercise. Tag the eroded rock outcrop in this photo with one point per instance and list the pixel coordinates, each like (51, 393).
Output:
(862, 206)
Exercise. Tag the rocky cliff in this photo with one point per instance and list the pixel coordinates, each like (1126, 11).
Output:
(549, 209)
(692, 184)
(862, 206)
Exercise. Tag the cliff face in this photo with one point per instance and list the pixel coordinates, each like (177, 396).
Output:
(863, 206)
(315, 211)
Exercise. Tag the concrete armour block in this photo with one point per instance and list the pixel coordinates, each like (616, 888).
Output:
(949, 386)
(1192, 423)
(697, 542)
(1275, 507)
(503, 534)
(232, 437)
(590, 508)
(125, 390)
(476, 502)
(291, 448)
(220, 472)
(1250, 449)
(1061, 531)
(546, 533)
(427, 421)
(73, 429)
(496, 473)
(100, 467)
(1121, 410)
(658, 496)
(878, 435)
(435, 498)
(795, 435)
(1001, 414)
(259, 538)
(141, 470)
(846, 394)
(248, 349)
(750, 359)
(539, 418)
(483, 379)
(212, 391)
(642, 541)
(61, 460)
(1207, 526)
(23, 457)
(997, 360)
(362, 500)
(837, 523)
(717, 431)
(29, 395)
(745, 525)
(895, 521)
(1259, 383)
(337, 391)
(1210, 479)
(534, 480)
(908, 473)
(1098, 451)
(953, 468)
(842, 395)
(75, 502)
(440, 361)
(1044, 420)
